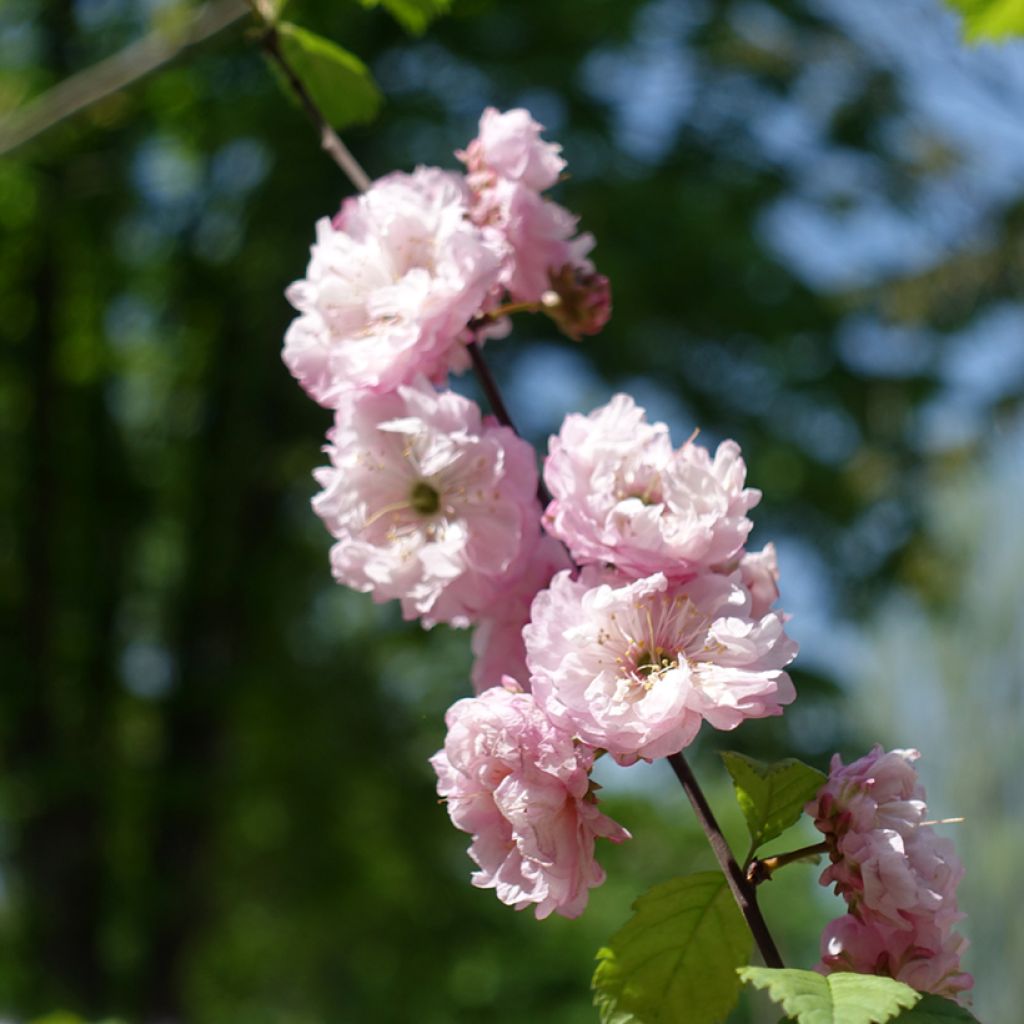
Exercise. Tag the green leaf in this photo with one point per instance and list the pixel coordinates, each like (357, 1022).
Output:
(675, 960)
(936, 1010)
(413, 15)
(991, 19)
(811, 998)
(338, 81)
(771, 796)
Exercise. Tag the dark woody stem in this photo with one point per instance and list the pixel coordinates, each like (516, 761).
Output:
(761, 870)
(497, 404)
(490, 386)
(330, 141)
(742, 890)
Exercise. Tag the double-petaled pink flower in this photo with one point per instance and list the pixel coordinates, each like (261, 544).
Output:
(635, 666)
(623, 495)
(430, 503)
(391, 285)
(520, 786)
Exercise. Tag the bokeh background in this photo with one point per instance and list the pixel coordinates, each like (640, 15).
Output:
(215, 805)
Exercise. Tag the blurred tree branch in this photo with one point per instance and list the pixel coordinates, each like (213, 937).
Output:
(135, 61)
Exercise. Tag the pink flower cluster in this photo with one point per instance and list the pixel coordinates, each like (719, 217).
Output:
(420, 264)
(659, 621)
(897, 876)
(668, 624)
(621, 618)
(433, 504)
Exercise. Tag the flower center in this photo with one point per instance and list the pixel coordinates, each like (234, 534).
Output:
(424, 499)
(644, 486)
(650, 663)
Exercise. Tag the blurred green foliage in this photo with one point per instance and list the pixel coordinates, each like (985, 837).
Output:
(215, 804)
(991, 19)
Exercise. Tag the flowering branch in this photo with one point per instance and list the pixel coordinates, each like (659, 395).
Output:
(742, 889)
(621, 623)
(741, 886)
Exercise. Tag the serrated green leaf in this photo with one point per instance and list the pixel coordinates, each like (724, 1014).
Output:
(991, 19)
(811, 998)
(771, 796)
(936, 1010)
(413, 15)
(338, 81)
(675, 960)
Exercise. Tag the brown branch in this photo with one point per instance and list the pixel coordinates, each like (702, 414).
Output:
(759, 871)
(498, 407)
(490, 386)
(742, 890)
(330, 141)
(86, 88)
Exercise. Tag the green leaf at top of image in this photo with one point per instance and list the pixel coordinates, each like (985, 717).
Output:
(413, 15)
(675, 960)
(771, 796)
(338, 81)
(811, 998)
(991, 19)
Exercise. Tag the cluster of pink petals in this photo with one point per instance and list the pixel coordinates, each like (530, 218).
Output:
(391, 285)
(925, 956)
(509, 167)
(759, 571)
(623, 495)
(508, 147)
(430, 503)
(897, 876)
(521, 788)
(635, 666)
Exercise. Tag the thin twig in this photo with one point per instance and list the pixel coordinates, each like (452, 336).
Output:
(743, 892)
(498, 407)
(330, 141)
(759, 871)
(111, 75)
(490, 386)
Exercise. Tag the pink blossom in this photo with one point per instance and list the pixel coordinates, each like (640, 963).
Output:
(430, 503)
(509, 146)
(924, 956)
(636, 666)
(879, 790)
(897, 875)
(520, 787)
(545, 262)
(760, 573)
(541, 238)
(498, 645)
(623, 495)
(390, 287)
